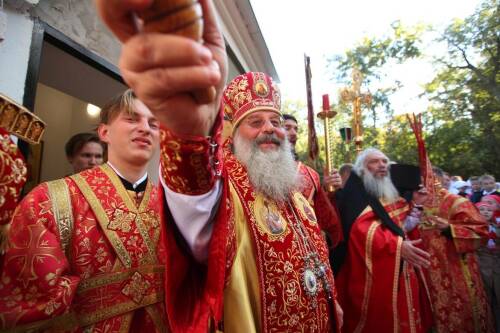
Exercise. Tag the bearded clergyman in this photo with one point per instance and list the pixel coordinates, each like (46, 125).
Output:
(249, 240)
(377, 266)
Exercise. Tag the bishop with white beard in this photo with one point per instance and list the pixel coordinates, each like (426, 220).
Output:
(251, 243)
(377, 266)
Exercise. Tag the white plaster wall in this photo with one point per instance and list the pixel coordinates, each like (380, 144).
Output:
(14, 53)
(78, 20)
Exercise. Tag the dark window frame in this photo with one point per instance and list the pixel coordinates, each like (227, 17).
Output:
(43, 32)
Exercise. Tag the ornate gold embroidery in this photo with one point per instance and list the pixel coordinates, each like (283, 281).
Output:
(137, 287)
(118, 309)
(33, 249)
(409, 298)
(395, 284)
(121, 220)
(140, 212)
(63, 213)
(102, 217)
(368, 275)
(115, 277)
(151, 218)
(66, 321)
(283, 301)
(237, 93)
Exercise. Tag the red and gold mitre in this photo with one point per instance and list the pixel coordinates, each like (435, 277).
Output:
(12, 176)
(248, 93)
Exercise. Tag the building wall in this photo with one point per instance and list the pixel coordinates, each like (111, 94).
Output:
(14, 53)
(78, 20)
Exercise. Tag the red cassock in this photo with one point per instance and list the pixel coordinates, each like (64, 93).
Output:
(379, 291)
(326, 213)
(82, 254)
(456, 289)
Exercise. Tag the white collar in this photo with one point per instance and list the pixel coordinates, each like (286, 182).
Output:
(134, 185)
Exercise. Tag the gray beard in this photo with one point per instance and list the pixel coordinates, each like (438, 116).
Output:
(380, 188)
(274, 173)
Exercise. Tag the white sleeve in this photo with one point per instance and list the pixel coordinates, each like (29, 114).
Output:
(194, 216)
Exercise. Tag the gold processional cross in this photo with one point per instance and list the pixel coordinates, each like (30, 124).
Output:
(354, 95)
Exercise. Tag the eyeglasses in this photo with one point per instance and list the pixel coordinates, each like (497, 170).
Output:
(257, 122)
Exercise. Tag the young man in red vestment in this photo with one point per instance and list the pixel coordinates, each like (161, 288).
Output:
(84, 253)
(379, 280)
(245, 253)
(452, 232)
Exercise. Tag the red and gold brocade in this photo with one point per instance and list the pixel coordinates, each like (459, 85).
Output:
(455, 286)
(98, 268)
(253, 278)
(278, 257)
(13, 174)
(376, 288)
(326, 213)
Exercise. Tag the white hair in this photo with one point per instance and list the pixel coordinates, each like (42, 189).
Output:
(274, 173)
(380, 188)
(360, 164)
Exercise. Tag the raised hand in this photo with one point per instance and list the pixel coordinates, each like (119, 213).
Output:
(333, 179)
(164, 70)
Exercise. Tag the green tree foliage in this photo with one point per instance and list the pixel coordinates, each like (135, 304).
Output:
(372, 56)
(341, 153)
(462, 123)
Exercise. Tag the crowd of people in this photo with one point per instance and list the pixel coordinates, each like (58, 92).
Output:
(238, 236)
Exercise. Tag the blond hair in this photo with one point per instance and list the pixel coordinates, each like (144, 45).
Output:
(119, 103)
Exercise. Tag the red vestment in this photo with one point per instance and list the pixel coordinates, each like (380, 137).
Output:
(83, 255)
(326, 213)
(456, 289)
(379, 291)
(256, 265)
(12, 178)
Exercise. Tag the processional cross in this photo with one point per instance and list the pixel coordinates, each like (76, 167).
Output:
(326, 115)
(354, 95)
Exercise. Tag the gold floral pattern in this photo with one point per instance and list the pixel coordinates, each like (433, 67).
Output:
(455, 285)
(136, 288)
(280, 261)
(13, 175)
(186, 163)
(50, 289)
(250, 92)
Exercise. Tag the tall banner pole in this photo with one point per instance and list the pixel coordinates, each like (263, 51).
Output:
(312, 139)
